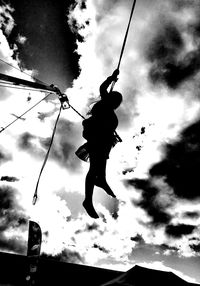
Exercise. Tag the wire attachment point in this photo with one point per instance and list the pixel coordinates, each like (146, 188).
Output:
(62, 97)
(35, 199)
(64, 100)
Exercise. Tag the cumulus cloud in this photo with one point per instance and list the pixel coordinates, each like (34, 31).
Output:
(159, 81)
(66, 256)
(9, 179)
(179, 230)
(12, 218)
(169, 183)
(173, 50)
(155, 200)
(6, 20)
(4, 155)
(64, 146)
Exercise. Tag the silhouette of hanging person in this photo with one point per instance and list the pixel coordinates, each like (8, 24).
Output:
(99, 131)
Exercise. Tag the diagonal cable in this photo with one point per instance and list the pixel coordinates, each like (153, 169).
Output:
(11, 123)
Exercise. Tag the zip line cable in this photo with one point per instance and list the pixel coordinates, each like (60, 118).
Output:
(36, 79)
(124, 42)
(35, 196)
(18, 87)
(76, 111)
(4, 128)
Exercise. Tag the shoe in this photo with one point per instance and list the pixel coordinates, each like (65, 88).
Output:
(90, 209)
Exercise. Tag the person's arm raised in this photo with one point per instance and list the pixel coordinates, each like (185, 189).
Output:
(104, 86)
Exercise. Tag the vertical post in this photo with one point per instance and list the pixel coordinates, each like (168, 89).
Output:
(33, 252)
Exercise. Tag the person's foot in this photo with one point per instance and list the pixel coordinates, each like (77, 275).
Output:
(90, 209)
(105, 186)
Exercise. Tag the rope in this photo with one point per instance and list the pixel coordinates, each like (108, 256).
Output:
(19, 117)
(76, 111)
(124, 42)
(126, 35)
(35, 196)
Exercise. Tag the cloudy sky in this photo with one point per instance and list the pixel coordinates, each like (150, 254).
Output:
(154, 172)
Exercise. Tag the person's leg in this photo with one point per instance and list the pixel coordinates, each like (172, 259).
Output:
(100, 180)
(89, 187)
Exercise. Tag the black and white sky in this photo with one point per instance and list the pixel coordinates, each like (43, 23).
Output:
(75, 44)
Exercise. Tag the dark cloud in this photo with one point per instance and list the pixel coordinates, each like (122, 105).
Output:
(102, 249)
(179, 172)
(179, 4)
(5, 93)
(177, 231)
(176, 176)
(93, 227)
(73, 23)
(44, 41)
(27, 144)
(149, 201)
(11, 217)
(4, 156)
(6, 18)
(6, 199)
(65, 143)
(138, 238)
(191, 215)
(142, 130)
(83, 4)
(166, 44)
(165, 52)
(62, 151)
(9, 209)
(128, 170)
(66, 256)
(11, 244)
(9, 179)
(195, 247)
(165, 247)
(180, 167)
(194, 244)
(43, 115)
(25, 141)
(155, 248)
